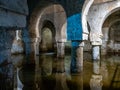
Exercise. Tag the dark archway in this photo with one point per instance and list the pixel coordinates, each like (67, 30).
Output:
(48, 41)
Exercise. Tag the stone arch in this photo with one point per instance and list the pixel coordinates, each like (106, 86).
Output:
(100, 12)
(110, 9)
(108, 23)
(85, 11)
(113, 20)
(108, 44)
(52, 12)
(47, 37)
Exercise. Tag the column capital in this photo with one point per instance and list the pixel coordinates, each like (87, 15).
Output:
(96, 38)
(96, 43)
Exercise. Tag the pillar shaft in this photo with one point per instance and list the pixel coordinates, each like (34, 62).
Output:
(60, 49)
(77, 56)
(96, 52)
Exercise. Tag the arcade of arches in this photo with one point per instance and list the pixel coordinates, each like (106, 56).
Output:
(100, 21)
(62, 43)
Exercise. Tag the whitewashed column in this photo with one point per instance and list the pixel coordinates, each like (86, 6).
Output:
(17, 46)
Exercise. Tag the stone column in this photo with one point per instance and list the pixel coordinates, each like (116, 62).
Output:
(77, 56)
(96, 41)
(96, 52)
(96, 79)
(60, 49)
(17, 46)
(34, 46)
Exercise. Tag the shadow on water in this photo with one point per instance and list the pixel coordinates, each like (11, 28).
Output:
(51, 73)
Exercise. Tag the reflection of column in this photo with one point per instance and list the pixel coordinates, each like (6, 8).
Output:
(77, 81)
(77, 56)
(37, 74)
(18, 62)
(60, 49)
(61, 83)
(60, 75)
(19, 83)
(96, 79)
(58, 66)
(96, 82)
(17, 46)
(46, 64)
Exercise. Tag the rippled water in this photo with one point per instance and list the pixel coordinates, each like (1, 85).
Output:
(50, 73)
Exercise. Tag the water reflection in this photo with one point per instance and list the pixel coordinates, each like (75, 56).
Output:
(96, 82)
(50, 72)
(58, 79)
(76, 82)
(96, 78)
(53, 73)
(60, 75)
(17, 61)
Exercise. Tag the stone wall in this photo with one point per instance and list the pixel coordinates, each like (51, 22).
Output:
(6, 40)
(13, 13)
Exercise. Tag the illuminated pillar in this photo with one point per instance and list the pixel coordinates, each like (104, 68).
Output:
(17, 46)
(96, 52)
